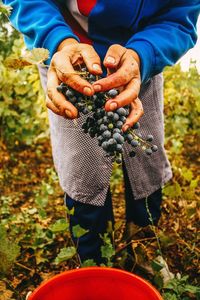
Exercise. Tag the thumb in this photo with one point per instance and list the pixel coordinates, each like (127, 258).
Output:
(113, 56)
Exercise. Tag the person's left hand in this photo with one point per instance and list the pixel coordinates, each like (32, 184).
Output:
(123, 68)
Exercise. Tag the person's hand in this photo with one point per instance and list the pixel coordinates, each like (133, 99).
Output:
(123, 66)
(70, 54)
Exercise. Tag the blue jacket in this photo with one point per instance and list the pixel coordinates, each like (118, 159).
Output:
(160, 31)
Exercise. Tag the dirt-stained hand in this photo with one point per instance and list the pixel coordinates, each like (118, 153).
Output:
(123, 69)
(70, 54)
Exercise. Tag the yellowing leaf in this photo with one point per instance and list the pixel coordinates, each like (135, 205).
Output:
(36, 56)
(16, 63)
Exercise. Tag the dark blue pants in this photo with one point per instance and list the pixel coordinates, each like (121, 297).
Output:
(96, 218)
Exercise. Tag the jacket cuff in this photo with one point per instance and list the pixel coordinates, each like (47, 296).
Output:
(55, 37)
(147, 57)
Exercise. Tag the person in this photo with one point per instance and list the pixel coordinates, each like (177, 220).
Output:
(129, 42)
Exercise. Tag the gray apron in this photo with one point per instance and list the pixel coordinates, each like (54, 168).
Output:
(83, 169)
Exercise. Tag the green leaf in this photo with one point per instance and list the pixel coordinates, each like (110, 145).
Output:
(59, 226)
(169, 296)
(173, 191)
(78, 231)
(191, 289)
(88, 263)
(107, 251)
(70, 212)
(65, 254)
(157, 266)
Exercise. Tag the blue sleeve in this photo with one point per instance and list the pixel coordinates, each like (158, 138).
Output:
(167, 37)
(41, 23)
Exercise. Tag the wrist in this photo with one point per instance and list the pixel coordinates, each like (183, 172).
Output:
(66, 43)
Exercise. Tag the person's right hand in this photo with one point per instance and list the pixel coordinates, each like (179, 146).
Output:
(70, 53)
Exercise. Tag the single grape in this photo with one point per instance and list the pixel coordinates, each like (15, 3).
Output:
(134, 143)
(118, 137)
(112, 93)
(149, 138)
(154, 148)
(136, 125)
(119, 124)
(115, 117)
(103, 128)
(69, 94)
(105, 120)
(129, 137)
(148, 151)
(106, 134)
(110, 115)
(121, 111)
(123, 119)
(119, 148)
(110, 126)
(105, 145)
(118, 160)
(132, 154)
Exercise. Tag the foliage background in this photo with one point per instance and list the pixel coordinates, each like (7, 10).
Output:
(34, 241)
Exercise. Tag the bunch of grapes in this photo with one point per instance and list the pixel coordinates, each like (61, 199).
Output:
(106, 126)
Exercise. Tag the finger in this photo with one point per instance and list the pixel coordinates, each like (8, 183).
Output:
(58, 99)
(135, 114)
(129, 94)
(113, 56)
(91, 59)
(66, 73)
(120, 78)
(51, 106)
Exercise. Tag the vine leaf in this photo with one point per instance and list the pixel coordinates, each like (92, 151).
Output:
(16, 63)
(32, 57)
(36, 56)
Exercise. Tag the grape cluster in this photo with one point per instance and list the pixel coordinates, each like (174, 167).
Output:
(106, 126)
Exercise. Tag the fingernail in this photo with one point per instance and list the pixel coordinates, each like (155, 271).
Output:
(126, 127)
(110, 60)
(113, 106)
(97, 87)
(87, 91)
(68, 113)
(96, 67)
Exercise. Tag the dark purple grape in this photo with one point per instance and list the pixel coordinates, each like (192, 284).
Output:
(103, 128)
(154, 148)
(119, 148)
(136, 125)
(115, 117)
(119, 124)
(119, 138)
(105, 145)
(148, 151)
(134, 143)
(106, 134)
(129, 137)
(112, 93)
(118, 160)
(121, 111)
(149, 138)
(132, 154)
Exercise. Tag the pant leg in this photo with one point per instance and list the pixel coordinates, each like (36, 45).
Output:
(136, 210)
(93, 218)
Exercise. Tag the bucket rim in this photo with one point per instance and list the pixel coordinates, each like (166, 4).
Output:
(93, 269)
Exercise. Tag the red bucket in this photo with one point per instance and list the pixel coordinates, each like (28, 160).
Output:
(95, 283)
